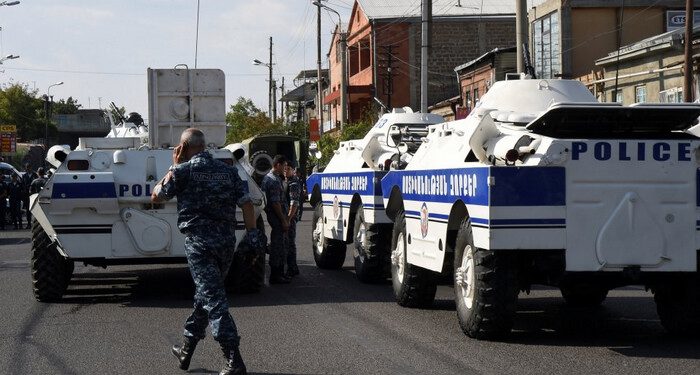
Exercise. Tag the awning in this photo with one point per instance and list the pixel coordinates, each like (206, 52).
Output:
(330, 98)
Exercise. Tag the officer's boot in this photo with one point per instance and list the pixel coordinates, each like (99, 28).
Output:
(234, 362)
(184, 353)
(277, 276)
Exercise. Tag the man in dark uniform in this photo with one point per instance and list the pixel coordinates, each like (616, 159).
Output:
(16, 194)
(38, 182)
(207, 193)
(3, 201)
(276, 211)
(27, 179)
(293, 197)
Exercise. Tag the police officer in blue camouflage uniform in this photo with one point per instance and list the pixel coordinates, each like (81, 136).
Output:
(276, 210)
(293, 197)
(207, 192)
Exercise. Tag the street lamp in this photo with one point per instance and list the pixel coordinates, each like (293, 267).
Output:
(272, 106)
(8, 57)
(9, 3)
(48, 115)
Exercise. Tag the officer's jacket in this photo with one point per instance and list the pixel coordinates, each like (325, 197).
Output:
(207, 191)
(274, 191)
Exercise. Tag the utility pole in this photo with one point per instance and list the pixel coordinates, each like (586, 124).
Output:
(426, 18)
(269, 86)
(274, 101)
(387, 63)
(284, 105)
(319, 85)
(688, 68)
(521, 30)
(344, 76)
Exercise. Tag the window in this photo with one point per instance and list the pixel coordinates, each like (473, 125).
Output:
(467, 99)
(617, 96)
(476, 95)
(546, 51)
(674, 95)
(640, 94)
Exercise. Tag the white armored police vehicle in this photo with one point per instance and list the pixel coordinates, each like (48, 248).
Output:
(541, 184)
(347, 195)
(96, 207)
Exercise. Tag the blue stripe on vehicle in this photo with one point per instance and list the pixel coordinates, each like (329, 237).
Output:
(444, 186)
(513, 186)
(347, 183)
(527, 222)
(83, 190)
(528, 186)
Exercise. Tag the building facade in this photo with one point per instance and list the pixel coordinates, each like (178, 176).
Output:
(384, 51)
(650, 70)
(568, 36)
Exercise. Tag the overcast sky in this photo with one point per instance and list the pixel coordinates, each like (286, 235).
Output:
(101, 48)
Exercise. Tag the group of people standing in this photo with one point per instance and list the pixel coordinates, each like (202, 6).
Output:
(283, 190)
(17, 191)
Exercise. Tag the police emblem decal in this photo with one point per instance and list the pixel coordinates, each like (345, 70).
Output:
(336, 207)
(424, 220)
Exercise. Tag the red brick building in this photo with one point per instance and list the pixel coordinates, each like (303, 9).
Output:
(384, 48)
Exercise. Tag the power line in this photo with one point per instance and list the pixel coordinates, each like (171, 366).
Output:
(118, 73)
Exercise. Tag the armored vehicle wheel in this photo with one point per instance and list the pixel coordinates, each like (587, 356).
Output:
(486, 288)
(51, 272)
(413, 286)
(328, 253)
(366, 250)
(243, 277)
(583, 295)
(678, 306)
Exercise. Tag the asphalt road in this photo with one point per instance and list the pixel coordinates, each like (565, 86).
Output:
(122, 320)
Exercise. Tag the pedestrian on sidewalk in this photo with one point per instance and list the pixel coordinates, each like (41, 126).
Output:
(3, 201)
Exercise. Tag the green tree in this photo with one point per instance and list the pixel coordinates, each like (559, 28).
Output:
(245, 120)
(329, 142)
(66, 106)
(20, 106)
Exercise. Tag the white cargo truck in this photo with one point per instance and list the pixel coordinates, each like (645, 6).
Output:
(96, 208)
(347, 196)
(541, 184)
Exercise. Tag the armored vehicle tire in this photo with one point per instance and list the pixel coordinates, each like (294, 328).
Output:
(583, 295)
(51, 272)
(328, 253)
(366, 250)
(243, 277)
(413, 286)
(485, 287)
(678, 306)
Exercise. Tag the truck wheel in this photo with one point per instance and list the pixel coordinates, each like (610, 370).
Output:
(413, 286)
(583, 295)
(678, 306)
(368, 267)
(486, 288)
(243, 277)
(51, 272)
(328, 253)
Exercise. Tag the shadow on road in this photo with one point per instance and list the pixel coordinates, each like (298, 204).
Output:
(172, 287)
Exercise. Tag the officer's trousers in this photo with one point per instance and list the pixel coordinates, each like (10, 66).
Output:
(278, 248)
(209, 258)
(292, 245)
